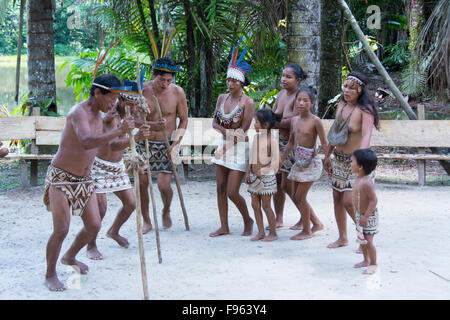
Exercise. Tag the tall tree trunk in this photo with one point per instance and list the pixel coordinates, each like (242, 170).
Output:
(330, 54)
(210, 71)
(19, 50)
(155, 30)
(41, 54)
(191, 57)
(416, 22)
(303, 37)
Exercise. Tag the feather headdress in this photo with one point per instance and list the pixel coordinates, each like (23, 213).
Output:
(132, 86)
(99, 61)
(158, 65)
(237, 68)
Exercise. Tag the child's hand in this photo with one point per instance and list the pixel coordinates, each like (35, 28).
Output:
(363, 221)
(247, 178)
(327, 166)
(143, 133)
(279, 167)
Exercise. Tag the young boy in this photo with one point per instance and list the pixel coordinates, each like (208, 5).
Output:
(109, 174)
(365, 200)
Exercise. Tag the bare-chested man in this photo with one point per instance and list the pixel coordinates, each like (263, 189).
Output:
(3, 151)
(172, 101)
(109, 174)
(68, 184)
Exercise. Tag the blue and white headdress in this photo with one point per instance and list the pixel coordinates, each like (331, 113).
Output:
(237, 68)
(132, 92)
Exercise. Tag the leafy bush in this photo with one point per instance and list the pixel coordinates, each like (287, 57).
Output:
(398, 55)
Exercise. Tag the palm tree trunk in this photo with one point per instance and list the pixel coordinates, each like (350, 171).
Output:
(416, 22)
(155, 30)
(191, 57)
(41, 56)
(303, 37)
(330, 54)
(19, 50)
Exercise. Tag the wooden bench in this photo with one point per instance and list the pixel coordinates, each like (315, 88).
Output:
(200, 140)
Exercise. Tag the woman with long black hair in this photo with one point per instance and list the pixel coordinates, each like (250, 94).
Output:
(356, 115)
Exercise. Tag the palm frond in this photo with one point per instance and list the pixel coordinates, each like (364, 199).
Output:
(432, 48)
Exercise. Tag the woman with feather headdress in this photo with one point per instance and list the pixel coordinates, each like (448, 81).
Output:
(232, 118)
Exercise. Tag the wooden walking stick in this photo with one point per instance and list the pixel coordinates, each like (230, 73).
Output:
(174, 169)
(143, 111)
(135, 166)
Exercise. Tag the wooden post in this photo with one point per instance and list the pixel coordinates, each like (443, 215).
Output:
(174, 169)
(149, 172)
(138, 214)
(34, 150)
(421, 164)
(23, 173)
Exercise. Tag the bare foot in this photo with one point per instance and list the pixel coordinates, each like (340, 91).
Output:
(361, 264)
(248, 228)
(94, 254)
(270, 237)
(316, 228)
(359, 250)
(259, 236)
(53, 284)
(297, 226)
(123, 242)
(371, 269)
(337, 244)
(219, 232)
(302, 236)
(146, 227)
(166, 221)
(77, 265)
(278, 225)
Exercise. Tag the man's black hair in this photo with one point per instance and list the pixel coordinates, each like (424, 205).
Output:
(106, 80)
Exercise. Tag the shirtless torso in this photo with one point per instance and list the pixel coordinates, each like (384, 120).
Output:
(105, 152)
(81, 136)
(265, 154)
(284, 105)
(359, 128)
(173, 104)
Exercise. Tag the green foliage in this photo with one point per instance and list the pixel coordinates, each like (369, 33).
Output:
(344, 74)
(120, 61)
(397, 55)
(9, 32)
(269, 99)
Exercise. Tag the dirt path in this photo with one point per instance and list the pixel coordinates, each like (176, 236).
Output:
(412, 245)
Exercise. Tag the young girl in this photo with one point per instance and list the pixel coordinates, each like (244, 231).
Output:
(307, 167)
(261, 170)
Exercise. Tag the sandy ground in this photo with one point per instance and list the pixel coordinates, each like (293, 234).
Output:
(413, 252)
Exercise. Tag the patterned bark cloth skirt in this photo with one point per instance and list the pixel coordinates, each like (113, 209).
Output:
(290, 159)
(78, 190)
(266, 185)
(158, 160)
(109, 176)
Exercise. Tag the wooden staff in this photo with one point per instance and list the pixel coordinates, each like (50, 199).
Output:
(134, 156)
(174, 169)
(149, 173)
